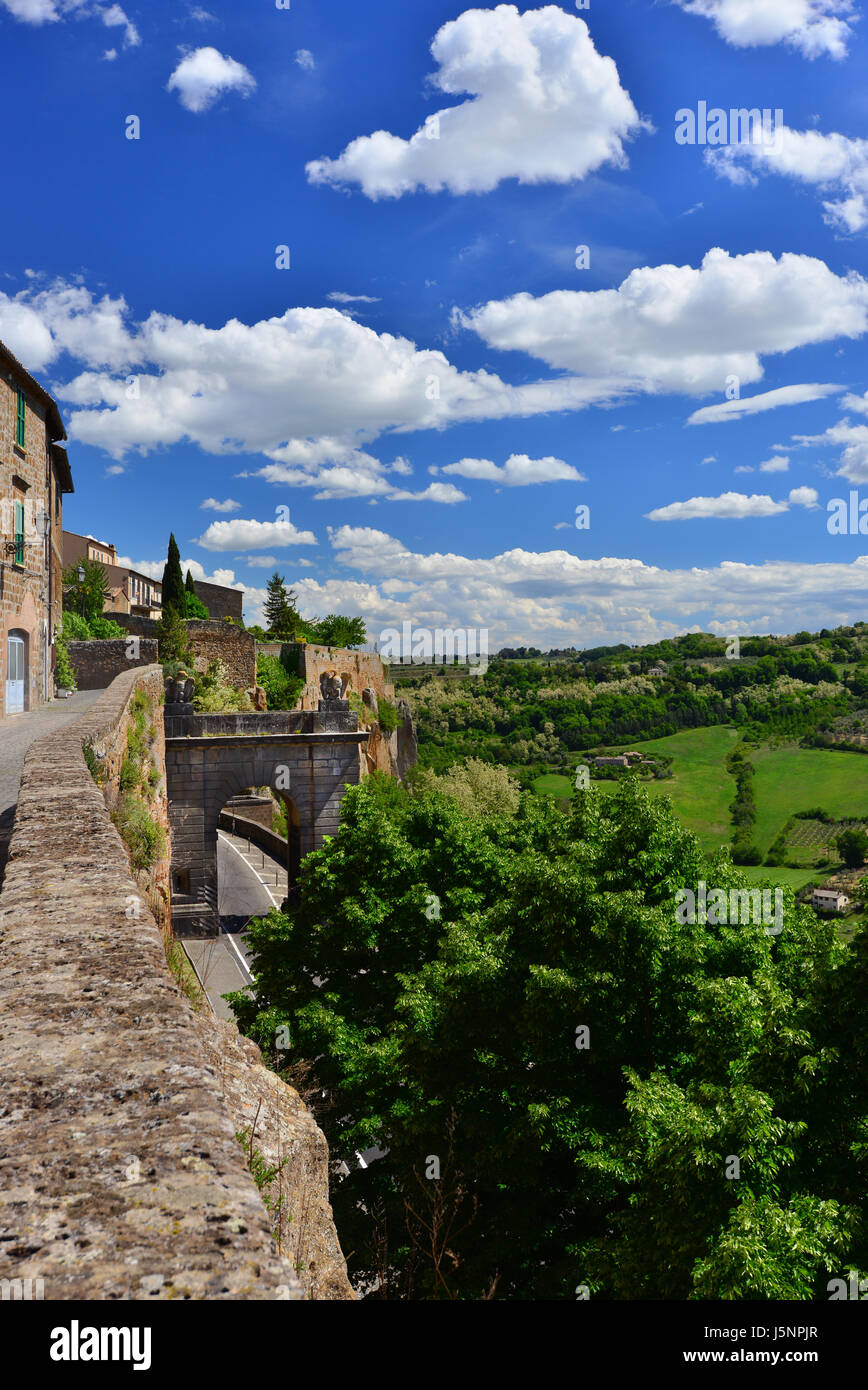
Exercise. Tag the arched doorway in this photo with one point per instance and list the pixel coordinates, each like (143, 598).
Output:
(16, 671)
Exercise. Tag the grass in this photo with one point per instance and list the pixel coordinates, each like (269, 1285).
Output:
(788, 779)
(792, 779)
(785, 878)
(553, 784)
(700, 787)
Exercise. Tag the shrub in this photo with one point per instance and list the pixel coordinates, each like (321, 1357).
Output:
(388, 716)
(282, 689)
(173, 639)
(214, 694)
(75, 627)
(106, 629)
(194, 606)
(64, 676)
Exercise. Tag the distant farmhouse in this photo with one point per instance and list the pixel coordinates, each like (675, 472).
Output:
(829, 900)
(130, 591)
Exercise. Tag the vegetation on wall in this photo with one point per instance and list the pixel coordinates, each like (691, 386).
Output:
(98, 628)
(282, 686)
(142, 834)
(214, 694)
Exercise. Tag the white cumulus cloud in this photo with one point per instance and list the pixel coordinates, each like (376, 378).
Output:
(518, 471)
(545, 107)
(202, 77)
(211, 504)
(730, 506)
(679, 328)
(253, 535)
(55, 11)
(833, 163)
(813, 27)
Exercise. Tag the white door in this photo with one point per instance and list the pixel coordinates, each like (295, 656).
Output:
(15, 674)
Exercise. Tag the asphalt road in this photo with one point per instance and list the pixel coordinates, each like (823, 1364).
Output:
(249, 884)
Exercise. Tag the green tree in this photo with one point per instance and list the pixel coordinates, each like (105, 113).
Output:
(85, 596)
(285, 623)
(852, 845)
(515, 997)
(194, 607)
(190, 583)
(173, 580)
(173, 642)
(338, 631)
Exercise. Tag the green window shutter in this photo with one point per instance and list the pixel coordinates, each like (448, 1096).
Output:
(20, 420)
(19, 533)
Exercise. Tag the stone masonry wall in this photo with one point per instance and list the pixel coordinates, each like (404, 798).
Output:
(209, 641)
(97, 663)
(22, 608)
(394, 753)
(120, 1176)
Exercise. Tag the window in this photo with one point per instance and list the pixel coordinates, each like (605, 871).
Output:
(19, 532)
(20, 420)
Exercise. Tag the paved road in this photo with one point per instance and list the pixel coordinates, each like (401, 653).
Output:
(17, 732)
(249, 884)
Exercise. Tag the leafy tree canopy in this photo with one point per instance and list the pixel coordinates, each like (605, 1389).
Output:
(437, 975)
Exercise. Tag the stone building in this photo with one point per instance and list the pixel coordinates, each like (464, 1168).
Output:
(221, 602)
(130, 591)
(35, 477)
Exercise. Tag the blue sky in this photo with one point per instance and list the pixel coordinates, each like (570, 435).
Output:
(432, 325)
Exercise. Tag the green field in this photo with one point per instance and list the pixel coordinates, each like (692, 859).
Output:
(788, 779)
(700, 786)
(552, 784)
(795, 779)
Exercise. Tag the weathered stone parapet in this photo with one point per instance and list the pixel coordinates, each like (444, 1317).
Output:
(97, 663)
(120, 1176)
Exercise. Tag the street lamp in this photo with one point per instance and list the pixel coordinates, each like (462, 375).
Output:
(43, 524)
(80, 573)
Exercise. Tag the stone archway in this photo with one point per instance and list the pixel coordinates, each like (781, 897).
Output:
(310, 772)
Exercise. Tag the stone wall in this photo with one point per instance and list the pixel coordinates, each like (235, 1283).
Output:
(393, 753)
(365, 671)
(220, 601)
(120, 1173)
(209, 641)
(96, 663)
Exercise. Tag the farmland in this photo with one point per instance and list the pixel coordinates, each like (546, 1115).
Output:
(788, 779)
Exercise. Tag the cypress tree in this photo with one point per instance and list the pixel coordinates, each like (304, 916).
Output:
(189, 585)
(173, 580)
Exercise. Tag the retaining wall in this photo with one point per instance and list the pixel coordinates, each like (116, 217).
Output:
(120, 1176)
(97, 663)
